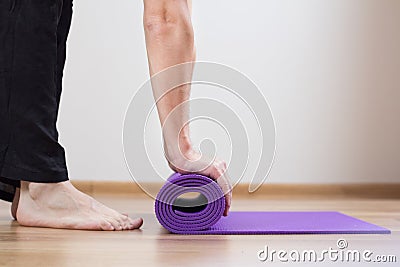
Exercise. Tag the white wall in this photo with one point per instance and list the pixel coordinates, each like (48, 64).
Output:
(329, 69)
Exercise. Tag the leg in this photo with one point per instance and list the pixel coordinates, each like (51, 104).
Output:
(33, 155)
(9, 188)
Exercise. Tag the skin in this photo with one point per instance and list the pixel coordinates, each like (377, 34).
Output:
(14, 205)
(169, 41)
(61, 205)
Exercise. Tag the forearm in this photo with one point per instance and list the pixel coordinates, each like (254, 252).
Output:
(170, 42)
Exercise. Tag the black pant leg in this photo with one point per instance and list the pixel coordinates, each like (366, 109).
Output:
(35, 37)
(63, 28)
(7, 187)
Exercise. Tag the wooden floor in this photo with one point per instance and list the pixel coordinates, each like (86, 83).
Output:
(153, 246)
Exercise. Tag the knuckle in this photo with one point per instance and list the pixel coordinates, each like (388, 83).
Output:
(218, 174)
(224, 165)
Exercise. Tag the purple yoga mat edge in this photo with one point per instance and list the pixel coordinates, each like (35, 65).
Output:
(372, 228)
(255, 222)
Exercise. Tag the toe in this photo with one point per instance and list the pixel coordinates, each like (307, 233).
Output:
(122, 221)
(106, 226)
(135, 223)
(125, 222)
(115, 223)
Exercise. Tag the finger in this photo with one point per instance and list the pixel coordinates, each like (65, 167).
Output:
(218, 173)
(224, 182)
(228, 195)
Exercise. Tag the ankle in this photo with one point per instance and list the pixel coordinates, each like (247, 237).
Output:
(35, 190)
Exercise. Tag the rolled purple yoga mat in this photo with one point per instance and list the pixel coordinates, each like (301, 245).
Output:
(185, 216)
(203, 215)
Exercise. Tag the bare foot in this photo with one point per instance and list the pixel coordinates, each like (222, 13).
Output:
(14, 205)
(61, 205)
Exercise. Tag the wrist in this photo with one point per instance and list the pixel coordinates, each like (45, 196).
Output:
(180, 147)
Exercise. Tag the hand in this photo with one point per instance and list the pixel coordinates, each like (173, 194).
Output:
(190, 161)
